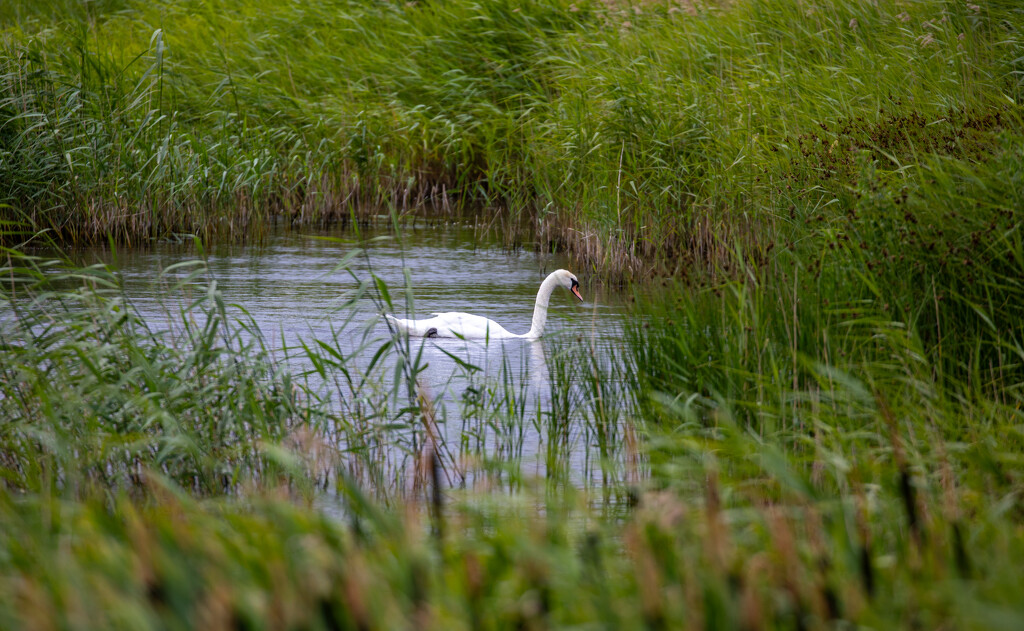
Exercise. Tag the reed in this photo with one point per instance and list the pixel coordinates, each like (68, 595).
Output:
(816, 424)
(637, 137)
(759, 459)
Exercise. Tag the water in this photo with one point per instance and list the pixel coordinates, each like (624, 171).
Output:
(510, 411)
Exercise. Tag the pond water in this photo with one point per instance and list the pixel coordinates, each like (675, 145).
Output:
(511, 409)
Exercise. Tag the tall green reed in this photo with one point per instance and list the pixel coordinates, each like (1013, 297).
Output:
(636, 138)
(794, 465)
(95, 398)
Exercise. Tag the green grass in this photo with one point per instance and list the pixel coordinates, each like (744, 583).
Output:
(817, 425)
(771, 464)
(642, 138)
(93, 396)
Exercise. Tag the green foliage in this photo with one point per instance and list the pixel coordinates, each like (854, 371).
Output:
(93, 397)
(634, 136)
(779, 462)
(820, 428)
(802, 407)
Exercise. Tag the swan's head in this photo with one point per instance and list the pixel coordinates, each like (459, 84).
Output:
(568, 280)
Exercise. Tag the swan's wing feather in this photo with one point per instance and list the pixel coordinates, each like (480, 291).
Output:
(467, 325)
(452, 324)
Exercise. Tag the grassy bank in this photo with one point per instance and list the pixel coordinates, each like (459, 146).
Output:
(642, 138)
(780, 458)
(819, 426)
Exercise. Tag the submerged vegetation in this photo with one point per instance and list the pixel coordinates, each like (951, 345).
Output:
(818, 423)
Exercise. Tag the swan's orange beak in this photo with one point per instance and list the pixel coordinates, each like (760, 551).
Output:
(576, 290)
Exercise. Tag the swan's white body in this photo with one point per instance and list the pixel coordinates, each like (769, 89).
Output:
(469, 326)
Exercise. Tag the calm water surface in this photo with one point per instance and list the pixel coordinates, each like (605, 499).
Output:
(292, 288)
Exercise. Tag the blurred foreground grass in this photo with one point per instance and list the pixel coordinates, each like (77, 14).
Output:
(774, 465)
(821, 428)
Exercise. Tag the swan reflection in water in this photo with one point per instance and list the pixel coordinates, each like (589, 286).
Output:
(451, 362)
(490, 372)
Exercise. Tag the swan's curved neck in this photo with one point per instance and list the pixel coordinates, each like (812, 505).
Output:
(540, 309)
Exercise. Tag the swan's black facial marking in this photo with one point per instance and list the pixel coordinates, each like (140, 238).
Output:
(575, 289)
(431, 332)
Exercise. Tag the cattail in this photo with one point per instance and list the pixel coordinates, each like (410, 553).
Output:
(910, 504)
(867, 572)
(436, 497)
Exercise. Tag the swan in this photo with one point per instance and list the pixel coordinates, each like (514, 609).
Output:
(469, 326)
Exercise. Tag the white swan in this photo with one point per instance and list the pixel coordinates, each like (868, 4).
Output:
(468, 326)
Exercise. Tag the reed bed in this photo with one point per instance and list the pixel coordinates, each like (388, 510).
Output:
(823, 444)
(764, 457)
(637, 136)
(816, 425)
